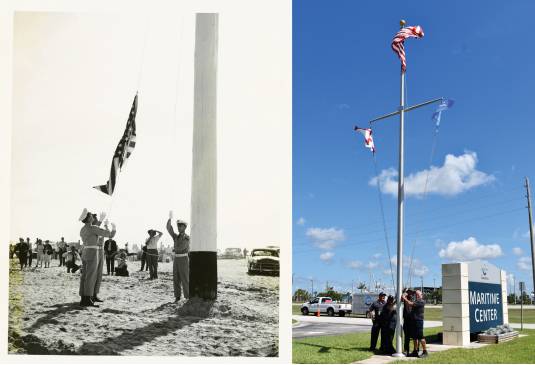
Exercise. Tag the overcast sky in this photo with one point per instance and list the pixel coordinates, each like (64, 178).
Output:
(75, 75)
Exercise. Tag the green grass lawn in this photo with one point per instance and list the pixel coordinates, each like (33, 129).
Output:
(341, 349)
(519, 351)
(344, 349)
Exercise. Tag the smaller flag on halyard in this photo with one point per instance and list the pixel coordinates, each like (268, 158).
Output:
(398, 43)
(122, 152)
(445, 104)
(368, 139)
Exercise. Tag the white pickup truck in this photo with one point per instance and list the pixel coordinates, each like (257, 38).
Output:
(326, 305)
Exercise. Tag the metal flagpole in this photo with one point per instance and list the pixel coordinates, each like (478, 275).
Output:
(401, 189)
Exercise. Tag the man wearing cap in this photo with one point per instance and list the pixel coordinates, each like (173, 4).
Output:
(30, 252)
(375, 310)
(152, 252)
(62, 248)
(90, 256)
(21, 249)
(110, 249)
(181, 259)
(417, 310)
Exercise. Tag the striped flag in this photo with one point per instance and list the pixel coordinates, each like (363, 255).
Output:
(122, 152)
(368, 139)
(399, 40)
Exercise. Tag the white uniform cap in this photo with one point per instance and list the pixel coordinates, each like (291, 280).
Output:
(83, 215)
(179, 221)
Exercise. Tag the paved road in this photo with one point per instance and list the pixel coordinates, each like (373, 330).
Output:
(311, 326)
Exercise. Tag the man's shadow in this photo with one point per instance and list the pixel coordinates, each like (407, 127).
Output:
(193, 311)
(50, 316)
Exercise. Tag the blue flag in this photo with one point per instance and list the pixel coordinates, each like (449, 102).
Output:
(445, 104)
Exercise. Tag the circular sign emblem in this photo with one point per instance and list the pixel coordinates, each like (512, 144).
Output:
(368, 300)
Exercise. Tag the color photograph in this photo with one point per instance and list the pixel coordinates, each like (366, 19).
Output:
(412, 228)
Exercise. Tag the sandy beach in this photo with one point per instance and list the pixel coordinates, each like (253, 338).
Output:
(139, 316)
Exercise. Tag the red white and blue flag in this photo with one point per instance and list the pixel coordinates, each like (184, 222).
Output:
(368, 139)
(122, 152)
(399, 40)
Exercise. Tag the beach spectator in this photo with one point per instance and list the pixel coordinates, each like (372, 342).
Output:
(144, 263)
(47, 253)
(70, 257)
(30, 251)
(152, 252)
(387, 319)
(181, 259)
(40, 252)
(11, 251)
(22, 251)
(417, 310)
(90, 234)
(122, 267)
(245, 253)
(110, 250)
(374, 310)
(62, 248)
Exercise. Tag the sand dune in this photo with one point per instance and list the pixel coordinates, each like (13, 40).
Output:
(138, 316)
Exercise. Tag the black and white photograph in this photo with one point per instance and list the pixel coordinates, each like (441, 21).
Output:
(149, 173)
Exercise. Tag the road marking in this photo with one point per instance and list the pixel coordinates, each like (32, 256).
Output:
(314, 332)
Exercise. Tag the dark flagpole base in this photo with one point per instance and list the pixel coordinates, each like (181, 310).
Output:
(203, 275)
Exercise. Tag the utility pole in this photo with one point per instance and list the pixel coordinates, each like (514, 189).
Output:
(312, 293)
(422, 286)
(528, 196)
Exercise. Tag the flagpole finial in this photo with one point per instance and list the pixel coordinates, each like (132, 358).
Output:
(402, 23)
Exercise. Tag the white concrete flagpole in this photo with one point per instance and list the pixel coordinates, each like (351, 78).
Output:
(401, 191)
(203, 254)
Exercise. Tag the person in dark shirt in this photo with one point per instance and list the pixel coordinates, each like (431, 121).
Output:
(408, 324)
(417, 310)
(144, 263)
(387, 320)
(375, 311)
(21, 249)
(30, 251)
(110, 249)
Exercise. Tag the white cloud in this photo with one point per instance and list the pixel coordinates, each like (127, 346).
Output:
(354, 264)
(377, 255)
(325, 238)
(524, 263)
(457, 175)
(327, 256)
(518, 251)
(372, 265)
(470, 249)
(301, 221)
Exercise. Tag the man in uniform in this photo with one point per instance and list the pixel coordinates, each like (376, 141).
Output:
(90, 235)
(417, 310)
(375, 310)
(181, 259)
(100, 251)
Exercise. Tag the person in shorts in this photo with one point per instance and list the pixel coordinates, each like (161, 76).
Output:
(417, 311)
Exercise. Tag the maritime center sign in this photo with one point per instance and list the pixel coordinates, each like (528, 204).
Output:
(484, 296)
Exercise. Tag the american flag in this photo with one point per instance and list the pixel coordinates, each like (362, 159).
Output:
(399, 40)
(368, 139)
(122, 152)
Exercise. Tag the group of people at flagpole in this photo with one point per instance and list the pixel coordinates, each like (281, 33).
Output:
(94, 249)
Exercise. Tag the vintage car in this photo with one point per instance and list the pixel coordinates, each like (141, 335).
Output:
(232, 253)
(264, 261)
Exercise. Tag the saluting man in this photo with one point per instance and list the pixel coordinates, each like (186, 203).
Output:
(100, 265)
(90, 256)
(181, 259)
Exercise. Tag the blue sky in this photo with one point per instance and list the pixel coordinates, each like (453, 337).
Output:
(344, 73)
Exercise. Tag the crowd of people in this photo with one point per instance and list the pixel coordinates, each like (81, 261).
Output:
(98, 246)
(384, 319)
